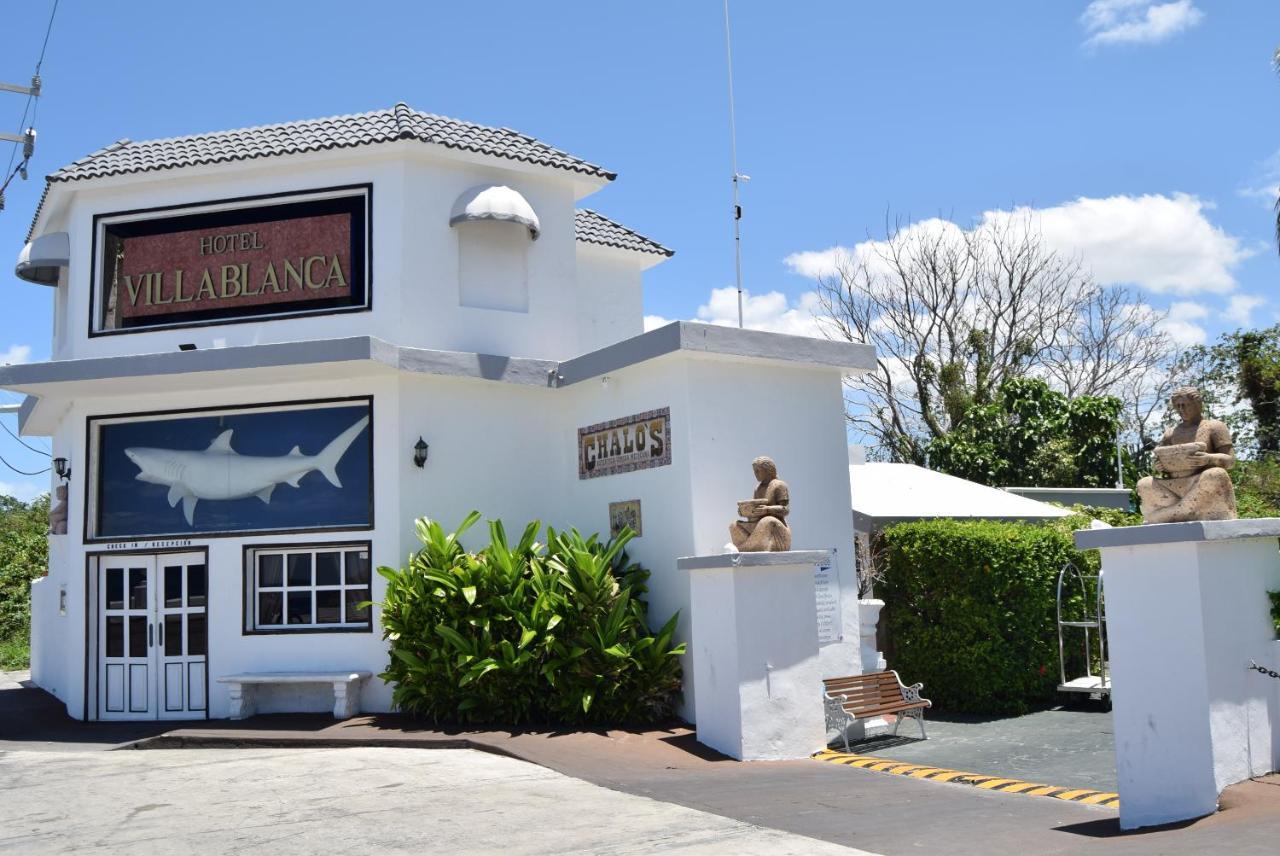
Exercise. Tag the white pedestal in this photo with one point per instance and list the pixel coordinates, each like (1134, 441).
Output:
(754, 631)
(1187, 609)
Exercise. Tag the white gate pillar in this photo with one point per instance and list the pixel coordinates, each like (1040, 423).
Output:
(754, 647)
(1187, 609)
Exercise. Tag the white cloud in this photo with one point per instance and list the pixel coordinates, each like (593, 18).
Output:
(1113, 22)
(1162, 243)
(1265, 183)
(15, 355)
(653, 322)
(772, 311)
(1240, 308)
(25, 491)
(1180, 323)
(1165, 244)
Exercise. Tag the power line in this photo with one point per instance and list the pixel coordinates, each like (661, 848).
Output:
(22, 443)
(23, 472)
(33, 97)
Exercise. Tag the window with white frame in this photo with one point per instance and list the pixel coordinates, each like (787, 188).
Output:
(307, 587)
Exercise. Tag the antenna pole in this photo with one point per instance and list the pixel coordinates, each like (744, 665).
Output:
(733, 148)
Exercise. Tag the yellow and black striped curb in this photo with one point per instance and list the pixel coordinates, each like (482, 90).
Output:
(987, 783)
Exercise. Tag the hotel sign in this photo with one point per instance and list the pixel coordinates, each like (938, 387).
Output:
(624, 445)
(303, 255)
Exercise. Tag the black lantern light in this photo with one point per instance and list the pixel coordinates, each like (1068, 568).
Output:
(420, 450)
(62, 469)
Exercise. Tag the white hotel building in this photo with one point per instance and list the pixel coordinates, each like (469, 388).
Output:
(254, 329)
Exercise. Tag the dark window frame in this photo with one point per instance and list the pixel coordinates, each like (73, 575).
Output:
(92, 488)
(249, 587)
(241, 205)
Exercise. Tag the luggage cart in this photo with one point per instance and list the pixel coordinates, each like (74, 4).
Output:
(1099, 685)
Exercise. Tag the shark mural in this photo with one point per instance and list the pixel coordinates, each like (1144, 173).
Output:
(220, 473)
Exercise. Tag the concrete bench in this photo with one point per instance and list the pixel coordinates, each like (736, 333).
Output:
(346, 689)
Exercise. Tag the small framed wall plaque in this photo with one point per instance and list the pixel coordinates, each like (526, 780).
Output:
(625, 514)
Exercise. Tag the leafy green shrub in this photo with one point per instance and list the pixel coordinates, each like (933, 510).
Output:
(519, 634)
(1083, 514)
(971, 610)
(24, 556)
(1275, 610)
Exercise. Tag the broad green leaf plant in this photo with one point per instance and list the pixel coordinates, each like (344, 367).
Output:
(526, 633)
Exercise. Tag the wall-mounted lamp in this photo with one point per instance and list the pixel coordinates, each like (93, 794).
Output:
(420, 450)
(61, 467)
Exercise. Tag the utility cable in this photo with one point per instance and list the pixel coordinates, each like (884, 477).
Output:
(21, 442)
(13, 153)
(23, 472)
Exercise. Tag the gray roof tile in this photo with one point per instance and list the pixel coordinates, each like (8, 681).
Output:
(596, 228)
(400, 122)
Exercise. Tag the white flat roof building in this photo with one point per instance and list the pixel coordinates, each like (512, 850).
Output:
(275, 348)
(886, 493)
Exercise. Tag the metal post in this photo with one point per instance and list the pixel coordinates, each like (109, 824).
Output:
(1119, 464)
(733, 148)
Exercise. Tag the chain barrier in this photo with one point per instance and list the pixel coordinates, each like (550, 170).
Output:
(1271, 673)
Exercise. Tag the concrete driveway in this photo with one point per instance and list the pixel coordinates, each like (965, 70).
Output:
(344, 800)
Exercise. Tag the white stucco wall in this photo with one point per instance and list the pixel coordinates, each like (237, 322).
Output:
(230, 651)
(1185, 616)
(609, 296)
(511, 452)
(506, 449)
(414, 253)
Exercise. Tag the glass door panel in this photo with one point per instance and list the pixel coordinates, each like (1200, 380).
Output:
(182, 645)
(126, 675)
(152, 636)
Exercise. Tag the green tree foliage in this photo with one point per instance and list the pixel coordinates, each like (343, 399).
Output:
(970, 610)
(1033, 436)
(1257, 355)
(524, 633)
(24, 556)
(1239, 376)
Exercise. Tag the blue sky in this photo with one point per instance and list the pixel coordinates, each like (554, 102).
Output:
(1152, 124)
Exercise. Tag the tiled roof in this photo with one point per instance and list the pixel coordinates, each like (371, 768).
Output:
(596, 228)
(400, 122)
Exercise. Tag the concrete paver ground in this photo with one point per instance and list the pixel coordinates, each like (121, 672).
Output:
(349, 800)
(1064, 747)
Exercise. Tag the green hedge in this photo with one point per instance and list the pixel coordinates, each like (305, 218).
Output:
(526, 634)
(24, 556)
(970, 610)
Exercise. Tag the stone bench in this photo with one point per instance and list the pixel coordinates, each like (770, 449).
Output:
(346, 689)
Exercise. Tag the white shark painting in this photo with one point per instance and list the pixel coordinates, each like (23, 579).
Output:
(219, 472)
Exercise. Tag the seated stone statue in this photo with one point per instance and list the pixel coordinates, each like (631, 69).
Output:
(765, 527)
(1192, 459)
(58, 512)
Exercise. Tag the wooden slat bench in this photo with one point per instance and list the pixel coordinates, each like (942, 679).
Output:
(868, 696)
(346, 689)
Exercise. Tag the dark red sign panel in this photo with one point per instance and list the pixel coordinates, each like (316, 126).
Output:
(253, 264)
(280, 258)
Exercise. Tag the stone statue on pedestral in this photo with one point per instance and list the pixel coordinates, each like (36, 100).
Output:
(58, 511)
(764, 527)
(1192, 459)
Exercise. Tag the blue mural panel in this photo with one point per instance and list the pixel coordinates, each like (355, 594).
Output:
(244, 470)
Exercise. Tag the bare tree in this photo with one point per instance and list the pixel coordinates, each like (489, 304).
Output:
(954, 313)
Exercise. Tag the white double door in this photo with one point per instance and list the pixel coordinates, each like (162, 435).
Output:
(153, 636)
